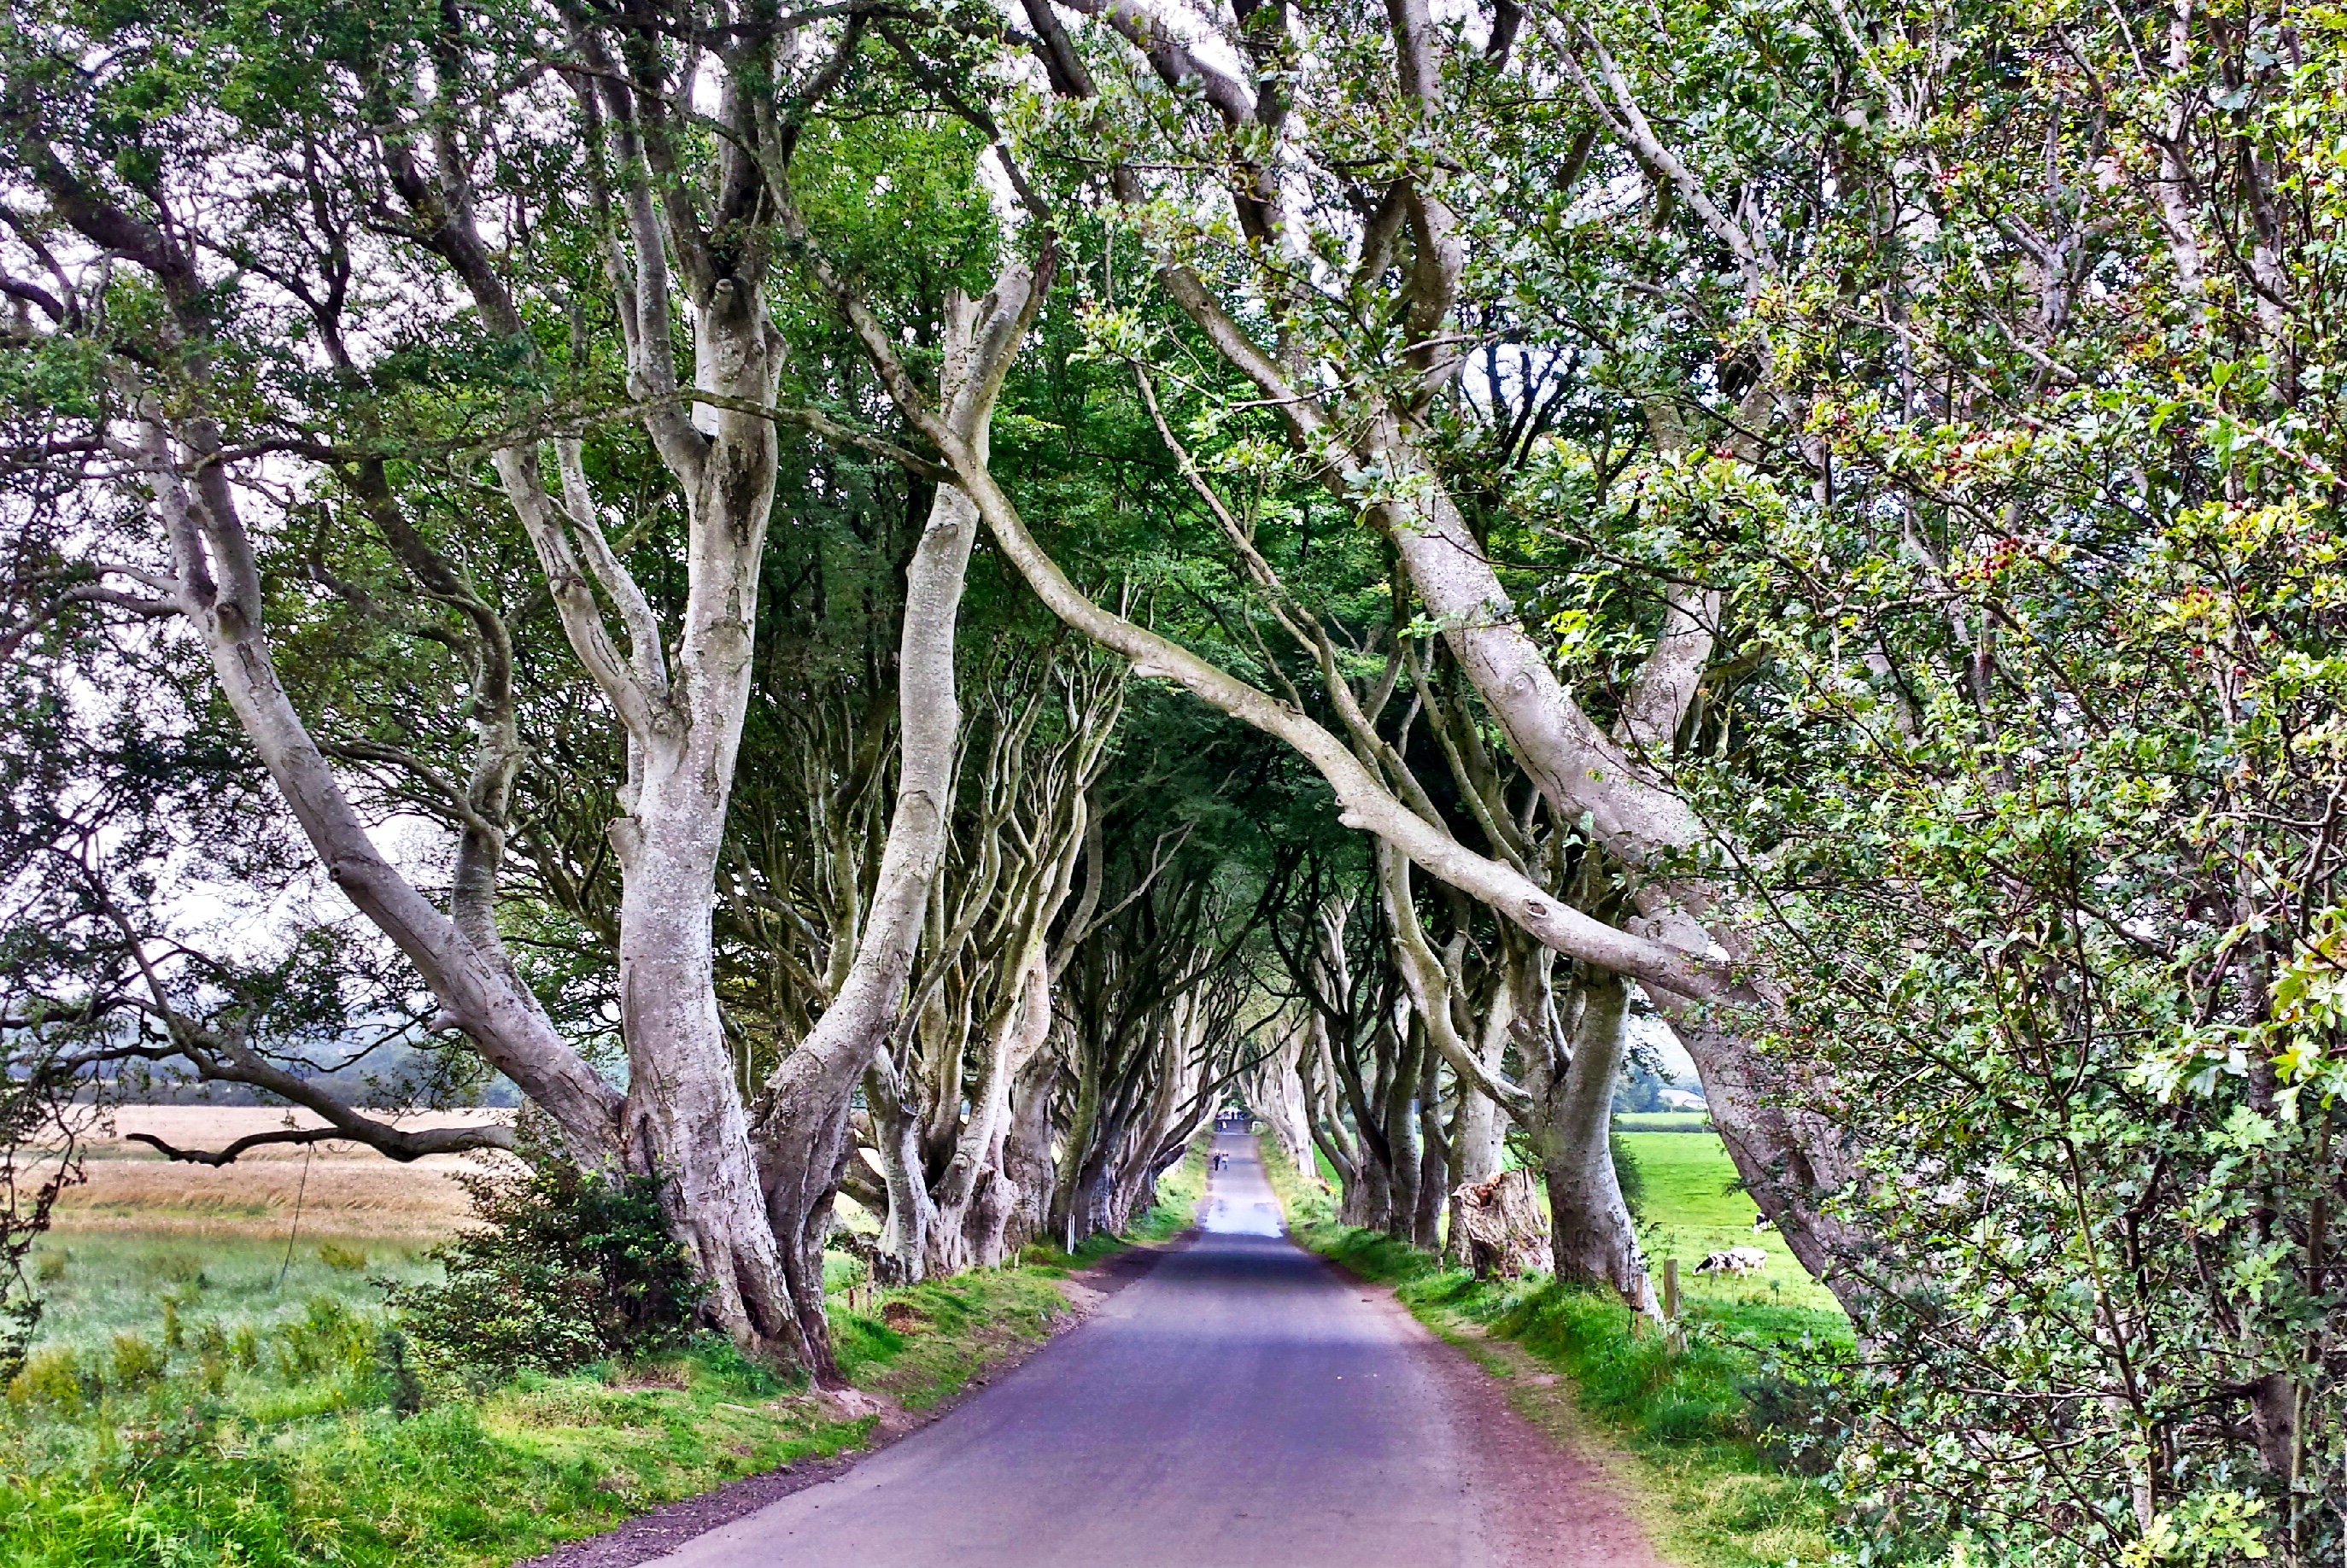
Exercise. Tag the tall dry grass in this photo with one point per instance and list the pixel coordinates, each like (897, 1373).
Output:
(342, 1188)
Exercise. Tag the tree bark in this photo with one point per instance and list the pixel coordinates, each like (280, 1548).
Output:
(1399, 1111)
(1500, 1233)
(685, 1119)
(1027, 1152)
(974, 1198)
(1590, 1230)
(1274, 1092)
(1477, 1130)
(1321, 1098)
(803, 1125)
(1434, 1157)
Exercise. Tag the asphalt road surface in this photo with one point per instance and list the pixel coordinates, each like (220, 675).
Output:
(1242, 1404)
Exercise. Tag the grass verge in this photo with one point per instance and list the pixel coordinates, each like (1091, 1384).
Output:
(221, 1429)
(1682, 1432)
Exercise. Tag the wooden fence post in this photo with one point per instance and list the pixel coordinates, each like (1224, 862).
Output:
(1674, 1337)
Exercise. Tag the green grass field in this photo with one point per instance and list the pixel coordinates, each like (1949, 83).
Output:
(1694, 1206)
(95, 1284)
(1661, 1122)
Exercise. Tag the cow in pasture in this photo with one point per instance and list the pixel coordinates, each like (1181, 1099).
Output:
(1737, 1261)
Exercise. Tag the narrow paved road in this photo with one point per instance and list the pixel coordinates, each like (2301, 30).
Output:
(1241, 1404)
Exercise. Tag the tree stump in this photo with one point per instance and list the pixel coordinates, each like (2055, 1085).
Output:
(1507, 1237)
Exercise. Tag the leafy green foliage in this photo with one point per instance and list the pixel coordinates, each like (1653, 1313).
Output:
(2044, 762)
(564, 1266)
(1630, 1175)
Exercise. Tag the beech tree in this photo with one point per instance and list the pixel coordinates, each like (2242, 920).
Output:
(1814, 521)
(981, 1006)
(1356, 404)
(260, 305)
(382, 423)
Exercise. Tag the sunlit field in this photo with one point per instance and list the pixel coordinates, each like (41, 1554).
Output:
(1693, 1207)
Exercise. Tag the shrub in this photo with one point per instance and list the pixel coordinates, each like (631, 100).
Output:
(292, 1356)
(52, 1266)
(567, 1267)
(52, 1378)
(401, 1388)
(137, 1360)
(330, 1337)
(341, 1259)
(340, 1335)
(1631, 1180)
(1800, 1411)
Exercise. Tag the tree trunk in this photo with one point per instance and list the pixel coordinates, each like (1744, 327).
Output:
(1500, 1233)
(802, 1127)
(685, 1119)
(1079, 1157)
(1400, 1116)
(1576, 765)
(1323, 1108)
(1369, 1200)
(1591, 1233)
(899, 1254)
(1478, 1130)
(975, 1195)
(1434, 1157)
(1274, 1092)
(1027, 1152)
(1481, 1134)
